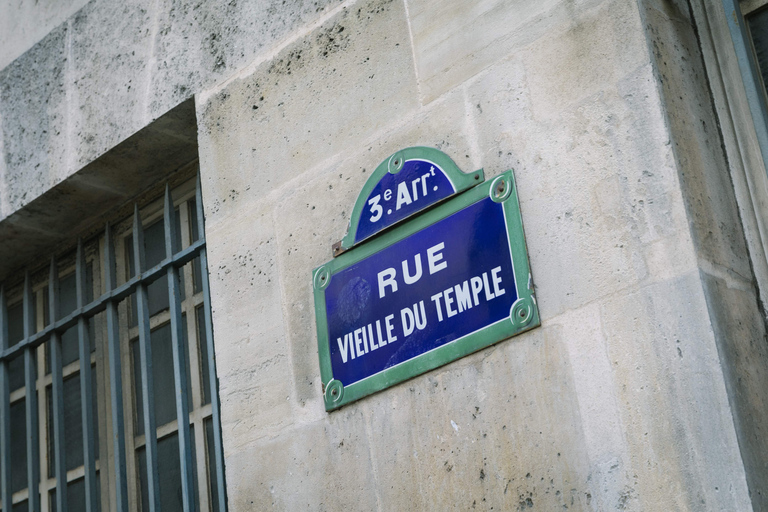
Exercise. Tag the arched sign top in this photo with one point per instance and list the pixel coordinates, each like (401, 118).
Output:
(408, 182)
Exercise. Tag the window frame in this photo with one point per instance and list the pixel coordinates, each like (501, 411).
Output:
(115, 290)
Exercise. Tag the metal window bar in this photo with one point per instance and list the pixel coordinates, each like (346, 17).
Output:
(33, 447)
(145, 356)
(115, 373)
(86, 386)
(179, 360)
(5, 411)
(213, 380)
(60, 464)
(108, 302)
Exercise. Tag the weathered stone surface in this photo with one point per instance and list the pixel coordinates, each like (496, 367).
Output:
(588, 187)
(716, 228)
(78, 204)
(109, 70)
(322, 466)
(196, 44)
(741, 337)
(455, 40)
(578, 59)
(594, 390)
(26, 22)
(319, 96)
(706, 184)
(253, 360)
(674, 407)
(33, 116)
(454, 439)
(108, 78)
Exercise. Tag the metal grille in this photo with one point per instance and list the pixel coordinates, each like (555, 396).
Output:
(28, 347)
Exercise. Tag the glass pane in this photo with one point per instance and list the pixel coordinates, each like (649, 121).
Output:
(18, 446)
(162, 374)
(70, 346)
(193, 219)
(182, 289)
(169, 471)
(73, 424)
(76, 495)
(203, 354)
(70, 350)
(196, 269)
(67, 295)
(46, 312)
(20, 506)
(15, 335)
(154, 252)
(15, 324)
(16, 372)
(212, 478)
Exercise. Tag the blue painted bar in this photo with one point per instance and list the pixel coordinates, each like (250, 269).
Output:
(86, 387)
(116, 376)
(214, 382)
(186, 450)
(33, 445)
(145, 356)
(753, 86)
(60, 465)
(5, 411)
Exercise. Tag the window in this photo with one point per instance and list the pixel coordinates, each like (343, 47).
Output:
(104, 349)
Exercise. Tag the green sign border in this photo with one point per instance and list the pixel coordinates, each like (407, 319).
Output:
(460, 180)
(524, 314)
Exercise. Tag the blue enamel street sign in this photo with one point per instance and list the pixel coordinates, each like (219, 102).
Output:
(408, 182)
(437, 285)
(420, 183)
(446, 283)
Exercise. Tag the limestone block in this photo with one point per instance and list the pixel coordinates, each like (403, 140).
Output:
(455, 40)
(27, 22)
(252, 357)
(497, 430)
(597, 184)
(595, 390)
(242, 263)
(110, 48)
(199, 43)
(255, 385)
(671, 393)
(596, 47)
(33, 116)
(740, 334)
(321, 95)
(323, 466)
(315, 213)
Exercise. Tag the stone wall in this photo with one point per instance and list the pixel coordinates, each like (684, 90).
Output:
(730, 288)
(618, 401)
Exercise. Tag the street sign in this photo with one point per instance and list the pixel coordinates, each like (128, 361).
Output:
(408, 182)
(444, 284)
